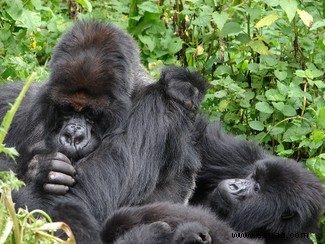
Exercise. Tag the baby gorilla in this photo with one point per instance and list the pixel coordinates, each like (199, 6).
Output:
(168, 223)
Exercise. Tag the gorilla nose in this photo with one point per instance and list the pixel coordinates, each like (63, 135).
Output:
(73, 135)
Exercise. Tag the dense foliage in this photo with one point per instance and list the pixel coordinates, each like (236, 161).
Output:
(264, 59)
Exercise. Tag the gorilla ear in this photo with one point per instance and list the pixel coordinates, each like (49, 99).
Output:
(288, 214)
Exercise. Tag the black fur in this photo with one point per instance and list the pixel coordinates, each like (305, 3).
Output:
(145, 150)
(287, 199)
(167, 223)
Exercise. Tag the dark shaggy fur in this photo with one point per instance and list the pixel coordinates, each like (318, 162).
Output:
(254, 191)
(143, 150)
(167, 223)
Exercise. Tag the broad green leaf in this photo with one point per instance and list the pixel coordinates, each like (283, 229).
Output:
(231, 28)
(281, 75)
(223, 69)
(290, 7)
(256, 125)
(283, 89)
(318, 24)
(274, 95)
(223, 105)
(279, 106)
(29, 19)
(220, 94)
(321, 118)
(259, 47)
(148, 41)
(15, 9)
(272, 3)
(85, 4)
(318, 136)
(245, 103)
(148, 6)
(300, 73)
(264, 107)
(175, 45)
(306, 18)
(276, 131)
(267, 21)
(220, 19)
(295, 133)
(288, 111)
(202, 20)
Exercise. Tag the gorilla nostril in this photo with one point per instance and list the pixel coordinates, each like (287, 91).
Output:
(233, 187)
(205, 237)
(79, 139)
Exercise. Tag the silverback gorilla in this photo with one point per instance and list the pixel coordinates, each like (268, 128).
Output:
(94, 134)
(102, 134)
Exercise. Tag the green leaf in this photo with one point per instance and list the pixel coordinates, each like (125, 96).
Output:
(272, 3)
(264, 107)
(15, 9)
(30, 20)
(267, 21)
(148, 41)
(223, 105)
(283, 89)
(321, 118)
(220, 19)
(288, 111)
(202, 20)
(256, 125)
(259, 47)
(150, 7)
(300, 73)
(281, 75)
(231, 28)
(274, 95)
(85, 4)
(318, 136)
(290, 7)
(276, 131)
(220, 94)
(279, 106)
(295, 133)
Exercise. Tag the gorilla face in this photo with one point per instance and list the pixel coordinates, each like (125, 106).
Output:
(78, 133)
(273, 198)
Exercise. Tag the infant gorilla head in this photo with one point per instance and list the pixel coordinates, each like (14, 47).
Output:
(279, 196)
(168, 223)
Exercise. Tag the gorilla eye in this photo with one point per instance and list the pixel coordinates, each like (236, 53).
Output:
(90, 115)
(66, 111)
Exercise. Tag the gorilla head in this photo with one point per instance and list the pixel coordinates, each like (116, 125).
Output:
(94, 70)
(279, 196)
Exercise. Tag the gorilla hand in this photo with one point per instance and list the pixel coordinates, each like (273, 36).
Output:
(53, 172)
(184, 87)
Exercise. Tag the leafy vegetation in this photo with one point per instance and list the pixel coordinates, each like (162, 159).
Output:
(264, 59)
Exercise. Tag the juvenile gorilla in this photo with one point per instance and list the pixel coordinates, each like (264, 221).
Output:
(157, 223)
(169, 224)
(256, 192)
(98, 133)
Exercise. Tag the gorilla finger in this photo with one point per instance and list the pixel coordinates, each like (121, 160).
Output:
(61, 179)
(61, 157)
(62, 166)
(56, 189)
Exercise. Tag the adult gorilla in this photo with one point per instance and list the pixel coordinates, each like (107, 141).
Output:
(83, 138)
(256, 192)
